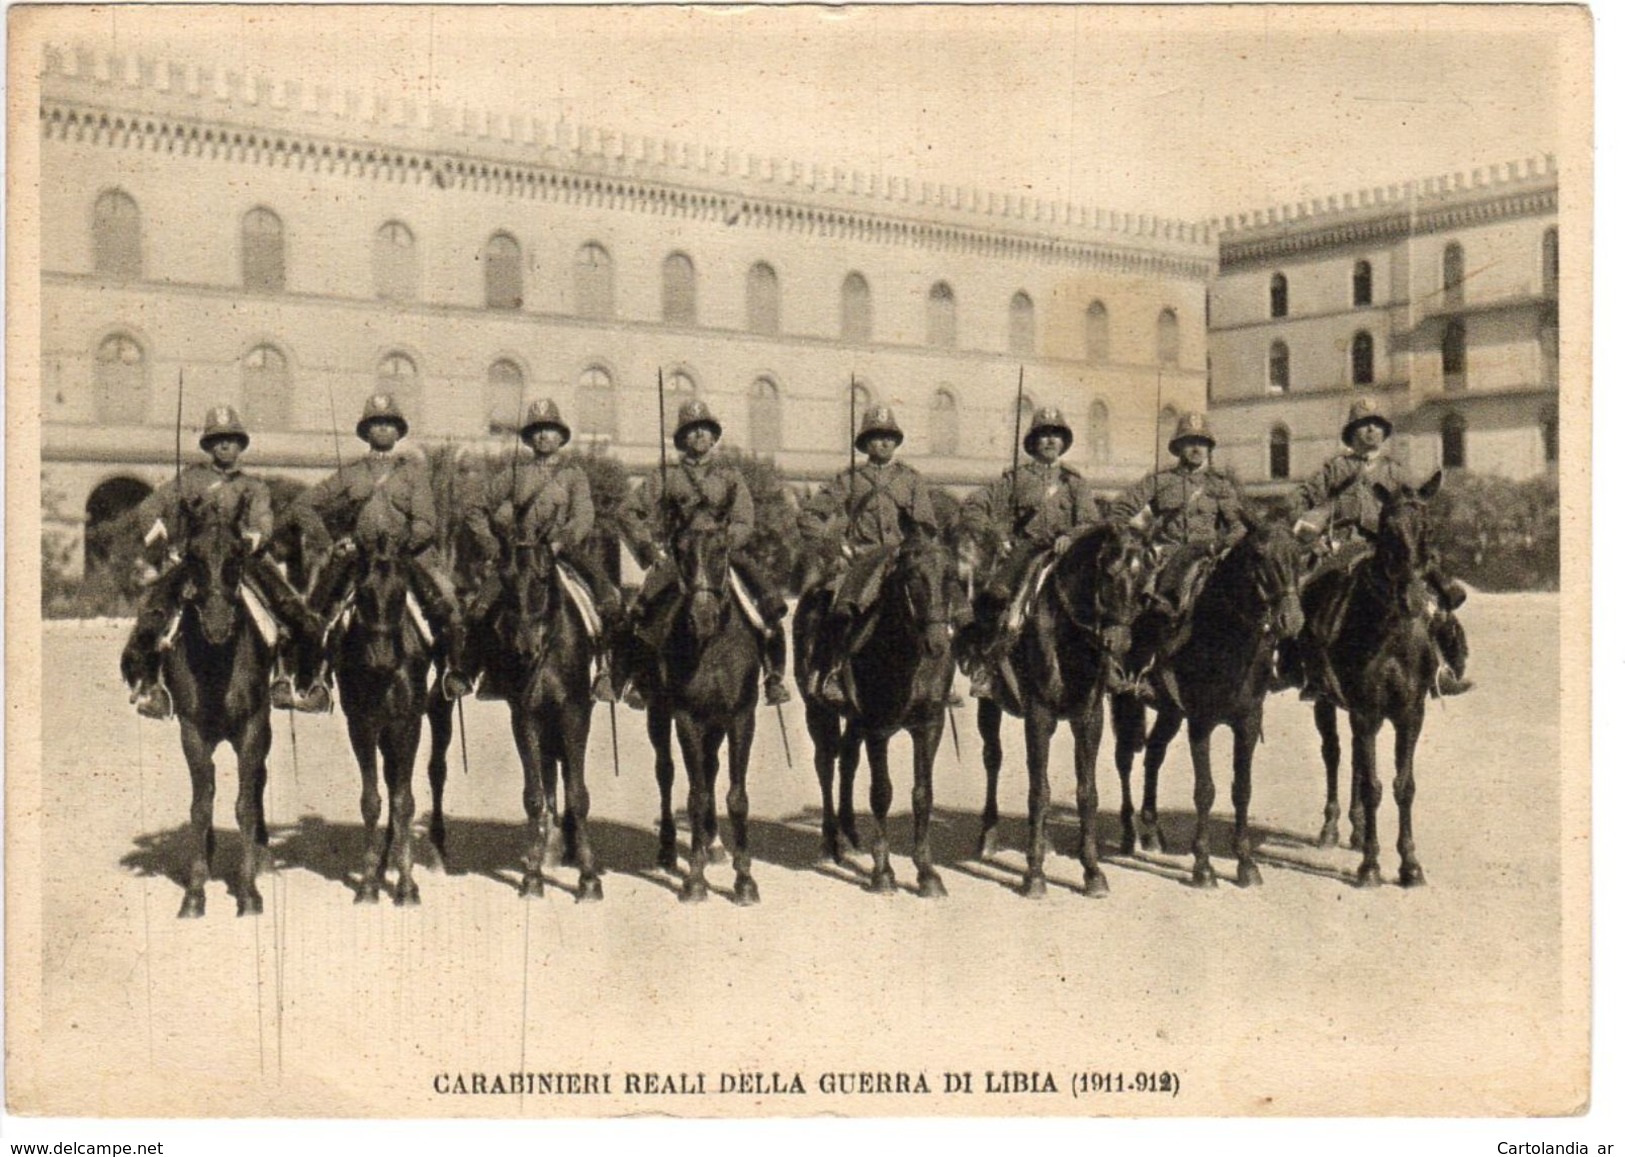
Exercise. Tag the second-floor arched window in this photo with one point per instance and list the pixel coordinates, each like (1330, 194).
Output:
(504, 273)
(1097, 334)
(267, 391)
(398, 376)
(941, 318)
(594, 282)
(264, 256)
(504, 396)
(1453, 354)
(944, 423)
(1280, 452)
(1280, 371)
(1453, 441)
(762, 299)
(1455, 274)
(1278, 295)
(766, 419)
(116, 235)
(1023, 325)
(679, 303)
(395, 262)
(121, 381)
(1099, 434)
(1362, 283)
(1167, 338)
(1548, 262)
(857, 314)
(595, 403)
(1363, 359)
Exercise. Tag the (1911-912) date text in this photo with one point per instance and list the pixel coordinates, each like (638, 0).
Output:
(1096, 1082)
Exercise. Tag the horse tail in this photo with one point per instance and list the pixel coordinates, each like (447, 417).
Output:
(1128, 721)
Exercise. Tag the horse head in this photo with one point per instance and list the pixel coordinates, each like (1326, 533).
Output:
(213, 560)
(1261, 575)
(928, 576)
(1403, 547)
(380, 604)
(702, 573)
(1102, 579)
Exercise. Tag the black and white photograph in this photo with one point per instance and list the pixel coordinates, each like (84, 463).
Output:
(874, 561)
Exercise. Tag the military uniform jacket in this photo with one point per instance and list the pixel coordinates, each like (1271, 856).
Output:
(1050, 500)
(211, 497)
(539, 501)
(700, 496)
(878, 496)
(1345, 483)
(383, 498)
(1187, 506)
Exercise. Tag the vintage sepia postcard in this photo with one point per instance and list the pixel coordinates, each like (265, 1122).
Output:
(795, 561)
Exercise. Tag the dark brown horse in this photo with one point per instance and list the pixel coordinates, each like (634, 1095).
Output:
(1222, 670)
(383, 667)
(1385, 662)
(901, 675)
(1068, 649)
(539, 656)
(217, 672)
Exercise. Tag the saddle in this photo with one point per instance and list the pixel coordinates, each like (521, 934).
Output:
(660, 616)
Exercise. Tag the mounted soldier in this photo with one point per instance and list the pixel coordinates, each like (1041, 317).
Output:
(867, 509)
(205, 496)
(1034, 512)
(700, 494)
(1338, 510)
(383, 503)
(542, 502)
(1191, 514)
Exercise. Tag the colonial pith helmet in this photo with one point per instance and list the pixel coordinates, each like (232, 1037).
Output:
(541, 414)
(695, 413)
(878, 420)
(1192, 427)
(380, 408)
(223, 422)
(1048, 420)
(1365, 410)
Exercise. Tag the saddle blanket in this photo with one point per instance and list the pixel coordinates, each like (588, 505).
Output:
(746, 603)
(581, 595)
(1021, 606)
(258, 614)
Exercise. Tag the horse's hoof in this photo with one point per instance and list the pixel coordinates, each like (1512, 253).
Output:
(1248, 875)
(434, 859)
(1328, 836)
(367, 895)
(1203, 876)
(1033, 887)
(746, 892)
(406, 896)
(882, 882)
(191, 906)
(829, 855)
(1152, 840)
(1410, 876)
(250, 904)
(531, 886)
(590, 890)
(1370, 876)
(1095, 886)
(694, 891)
(989, 846)
(931, 886)
(552, 855)
(668, 859)
(716, 853)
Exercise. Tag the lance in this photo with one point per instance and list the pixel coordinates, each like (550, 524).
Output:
(953, 729)
(789, 761)
(1015, 443)
(851, 446)
(180, 505)
(614, 739)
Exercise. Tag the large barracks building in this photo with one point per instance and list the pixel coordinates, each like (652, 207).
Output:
(291, 251)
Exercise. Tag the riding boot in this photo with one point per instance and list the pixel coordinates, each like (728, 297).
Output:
(1451, 593)
(773, 655)
(1320, 679)
(282, 693)
(831, 687)
(1450, 642)
(150, 696)
(456, 682)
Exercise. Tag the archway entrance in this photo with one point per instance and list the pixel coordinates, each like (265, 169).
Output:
(106, 504)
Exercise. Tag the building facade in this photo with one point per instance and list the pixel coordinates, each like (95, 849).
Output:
(211, 238)
(1438, 298)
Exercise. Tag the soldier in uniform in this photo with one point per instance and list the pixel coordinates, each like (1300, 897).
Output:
(542, 502)
(386, 498)
(213, 493)
(864, 510)
(701, 494)
(1191, 514)
(1339, 508)
(1034, 510)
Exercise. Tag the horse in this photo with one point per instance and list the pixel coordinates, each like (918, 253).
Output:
(539, 657)
(217, 673)
(1385, 662)
(1068, 649)
(704, 682)
(383, 667)
(1222, 672)
(901, 674)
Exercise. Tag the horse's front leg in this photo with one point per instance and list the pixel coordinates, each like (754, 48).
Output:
(1367, 783)
(1241, 792)
(576, 724)
(659, 726)
(1201, 738)
(881, 878)
(1169, 721)
(252, 750)
(1040, 723)
(1128, 726)
(528, 742)
(692, 739)
(824, 728)
(988, 719)
(927, 740)
(440, 709)
(847, 816)
(364, 744)
(400, 754)
(1407, 730)
(741, 735)
(1086, 733)
(1331, 755)
(200, 762)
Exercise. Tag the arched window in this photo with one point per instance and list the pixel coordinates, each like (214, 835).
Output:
(678, 295)
(1167, 338)
(121, 381)
(595, 403)
(941, 320)
(1023, 325)
(1363, 359)
(264, 261)
(1280, 379)
(766, 421)
(1548, 354)
(1453, 441)
(504, 273)
(1278, 301)
(395, 262)
(1548, 434)
(857, 314)
(1455, 274)
(1097, 333)
(504, 396)
(398, 376)
(762, 299)
(1099, 433)
(107, 502)
(267, 392)
(1453, 353)
(116, 235)
(595, 282)
(1548, 262)
(1280, 452)
(944, 423)
(1362, 283)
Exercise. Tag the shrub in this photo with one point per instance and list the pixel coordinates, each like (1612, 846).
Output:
(1497, 534)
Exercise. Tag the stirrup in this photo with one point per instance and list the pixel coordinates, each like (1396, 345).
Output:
(455, 684)
(603, 691)
(633, 698)
(1447, 683)
(981, 682)
(153, 701)
(832, 690)
(316, 700)
(774, 692)
(282, 696)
